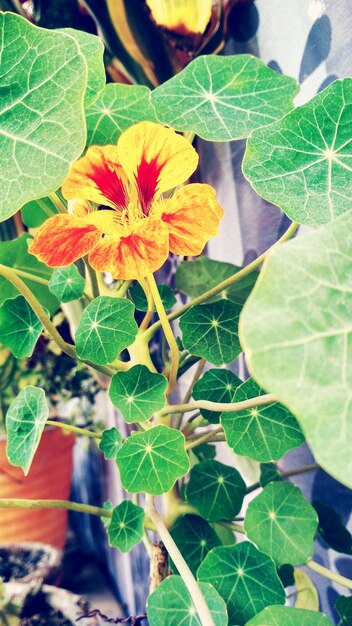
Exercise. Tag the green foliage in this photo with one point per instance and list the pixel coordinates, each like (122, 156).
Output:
(217, 386)
(332, 530)
(287, 616)
(34, 213)
(195, 538)
(126, 527)
(67, 283)
(110, 443)
(92, 49)
(138, 393)
(343, 606)
(268, 473)
(19, 327)
(152, 461)
(140, 301)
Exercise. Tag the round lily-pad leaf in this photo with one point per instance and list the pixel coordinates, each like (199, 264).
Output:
(126, 527)
(20, 328)
(66, 283)
(110, 443)
(288, 616)
(245, 578)
(195, 538)
(217, 385)
(140, 301)
(216, 490)
(211, 331)
(138, 393)
(264, 433)
(107, 326)
(172, 604)
(282, 523)
(152, 461)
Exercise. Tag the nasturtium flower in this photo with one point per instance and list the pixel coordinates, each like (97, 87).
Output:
(119, 216)
(185, 17)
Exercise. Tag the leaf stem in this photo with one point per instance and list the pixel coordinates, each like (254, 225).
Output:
(57, 202)
(74, 429)
(93, 279)
(219, 407)
(208, 436)
(293, 472)
(188, 394)
(23, 503)
(187, 576)
(328, 573)
(150, 312)
(32, 277)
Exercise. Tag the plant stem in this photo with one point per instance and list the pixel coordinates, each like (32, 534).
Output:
(225, 284)
(57, 202)
(93, 279)
(150, 312)
(328, 573)
(186, 574)
(219, 407)
(122, 290)
(236, 528)
(21, 503)
(32, 277)
(74, 429)
(188, 394)
(174, 352)
(292, 472)
(209, 436)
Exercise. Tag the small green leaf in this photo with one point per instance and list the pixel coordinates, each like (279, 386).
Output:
(110, 443)
(67, 283)
(268, 473)
(92, 49)
(138, 393)
(126, 527)
(172, 604)
(332, 530)
(152, 461)
(343, 606)
(19, 327)
(195, 538)
(107, 327)
(205, 451)
(264, 433)
(116, 109)
(282, 523)
(216, 386)
(140, 301)
(216, 490)
(224, 98)
(288, 616)
(25, 421)
(245, 578)
(211, 331)
(302, 163)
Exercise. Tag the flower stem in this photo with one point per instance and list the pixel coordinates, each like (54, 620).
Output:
(209, 436)
(22, 503)
(328, 573)
(57, 202)
(150, 312)
(93, 279)
(188, 394)
(293, 472)
(74, 429)
(219, 407)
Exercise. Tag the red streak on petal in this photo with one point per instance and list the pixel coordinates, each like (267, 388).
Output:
(110, 185)
(147, 179)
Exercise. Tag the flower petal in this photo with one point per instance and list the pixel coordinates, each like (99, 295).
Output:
(155, 159)
(98, 177)
(133, 257)
(63, 239)
(192, 216)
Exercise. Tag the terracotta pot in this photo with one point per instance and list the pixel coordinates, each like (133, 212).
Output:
(48, 478)
(44, 560)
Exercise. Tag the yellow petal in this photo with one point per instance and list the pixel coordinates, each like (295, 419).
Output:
(182, 16)
(192, 216)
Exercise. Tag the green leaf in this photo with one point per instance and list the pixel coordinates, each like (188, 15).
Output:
(15, 254)
(25, 421)
(108, 505)
(107, 327)
(116, 109)
(110, 443)
(92, 49)
(282, 523)
(268, 473)
(295, 330)
(245, 578)
(35, 212)
(216, 490)
(224, 98)
(195, 538)
(302, 163)
(264, 433)
(332, 530)
(67, 283)
(140, 301)
(216, 386)
(195, 277)
(138, 393)
(152, 461)
(286, 574)
(306, 592)
(205, 451)
(126, 527)
(343, 606)
(43, 125)
(19, 327)
(172, 604)
(210, 331)
(288, 616)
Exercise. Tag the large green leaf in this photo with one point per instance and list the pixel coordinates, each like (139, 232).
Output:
(126, 527)
(302, 163)
(92, 49)
(224, 98)
(216, 490)
(25, 421)
(282, 523)
(245, 578)
(332, 530)
(152, 461)
(211, 331)
(287, 616)
(138, 393)
(296, 330)
(263, 433)
(195, 538)
(107, 326)
(172, 604)
(116, 109)
(67, 283)
(19, 327)
(217, 385)
(44, 77)
(36, 275)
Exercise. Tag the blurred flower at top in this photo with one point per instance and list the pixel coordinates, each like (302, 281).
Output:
(184, 17)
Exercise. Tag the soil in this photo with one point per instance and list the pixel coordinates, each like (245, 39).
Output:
(37, 612)
(16, 565)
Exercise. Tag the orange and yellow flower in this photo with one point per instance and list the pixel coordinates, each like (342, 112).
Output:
(119, 217)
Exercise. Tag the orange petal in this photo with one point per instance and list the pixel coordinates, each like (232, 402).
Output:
(98, 177)
(133, 257)
(63, 239)
(155, 159)
(192, 216)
